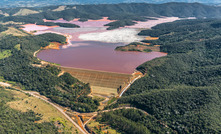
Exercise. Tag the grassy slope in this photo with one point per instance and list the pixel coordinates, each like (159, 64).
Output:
(5, 54)
(25, 103)
(14, 31)
(24, 12)
(13, 121)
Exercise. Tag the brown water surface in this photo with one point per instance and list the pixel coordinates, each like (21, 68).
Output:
(97, 56)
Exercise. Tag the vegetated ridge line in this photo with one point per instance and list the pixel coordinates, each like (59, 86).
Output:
(58, 108)
(119, 108)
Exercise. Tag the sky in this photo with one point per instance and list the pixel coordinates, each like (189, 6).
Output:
(32, 3)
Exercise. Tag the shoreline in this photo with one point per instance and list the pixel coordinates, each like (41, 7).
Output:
(69, 43)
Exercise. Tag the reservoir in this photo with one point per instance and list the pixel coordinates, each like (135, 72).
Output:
(92, 46)
(100, 56)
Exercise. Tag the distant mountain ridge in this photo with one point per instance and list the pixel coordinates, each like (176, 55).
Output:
(125, 13)
(39, 3)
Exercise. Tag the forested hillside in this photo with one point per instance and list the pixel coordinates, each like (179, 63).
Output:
(132, 121)
(37, 3)
(124, 13)
(180, 93)
(13, 121)
(182, 90)
(18, 67)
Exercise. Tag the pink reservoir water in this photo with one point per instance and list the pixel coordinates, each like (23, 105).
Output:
(98, 56)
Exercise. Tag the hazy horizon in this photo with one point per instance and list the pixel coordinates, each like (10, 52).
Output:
(39, 3)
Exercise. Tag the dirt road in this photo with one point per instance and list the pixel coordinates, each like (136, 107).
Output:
(37, 95)
(129, 85)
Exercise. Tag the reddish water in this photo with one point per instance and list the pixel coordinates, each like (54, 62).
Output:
(98, 56)
(94, 55)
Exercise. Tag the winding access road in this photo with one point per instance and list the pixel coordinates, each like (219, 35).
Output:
(125, 89)
(39, 97)
(59, 109)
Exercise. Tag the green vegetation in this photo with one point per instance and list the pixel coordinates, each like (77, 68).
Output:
(111, 100)
(5, 54)
(12, 30)
(23, 12)
(13, 121)
(136, 46)
(120, 23)
(147, 50)
(18, 68)
(132, 121)
(18, 47)
(133, 49)
(51, 37)
(24, 103)
(68, 25)
(98, 128)
(182, 90)
(125, 14)
(3, 28)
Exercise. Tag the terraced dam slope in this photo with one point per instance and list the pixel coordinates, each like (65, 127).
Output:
(103, 83)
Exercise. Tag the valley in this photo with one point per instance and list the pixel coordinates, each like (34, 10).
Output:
(96, 62)
(109, 78)
(113, 68)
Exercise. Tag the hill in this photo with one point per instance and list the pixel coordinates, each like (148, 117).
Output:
(126, 14)
(180, 93)
(39, 3)
(24, 12)
(21, 121)
(182, 90)
(21, 67)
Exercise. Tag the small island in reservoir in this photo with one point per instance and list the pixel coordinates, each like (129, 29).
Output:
(140, 46)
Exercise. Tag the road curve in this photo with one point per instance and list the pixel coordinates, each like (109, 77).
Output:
(59, 109)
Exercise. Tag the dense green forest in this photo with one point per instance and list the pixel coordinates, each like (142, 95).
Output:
(135, 46)
(13, 121)
(126, 14)
(133, 121)
(119, 23)
(180, 92)
(182, 89)
(64, 90)
(3, 28)
(68, 25)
